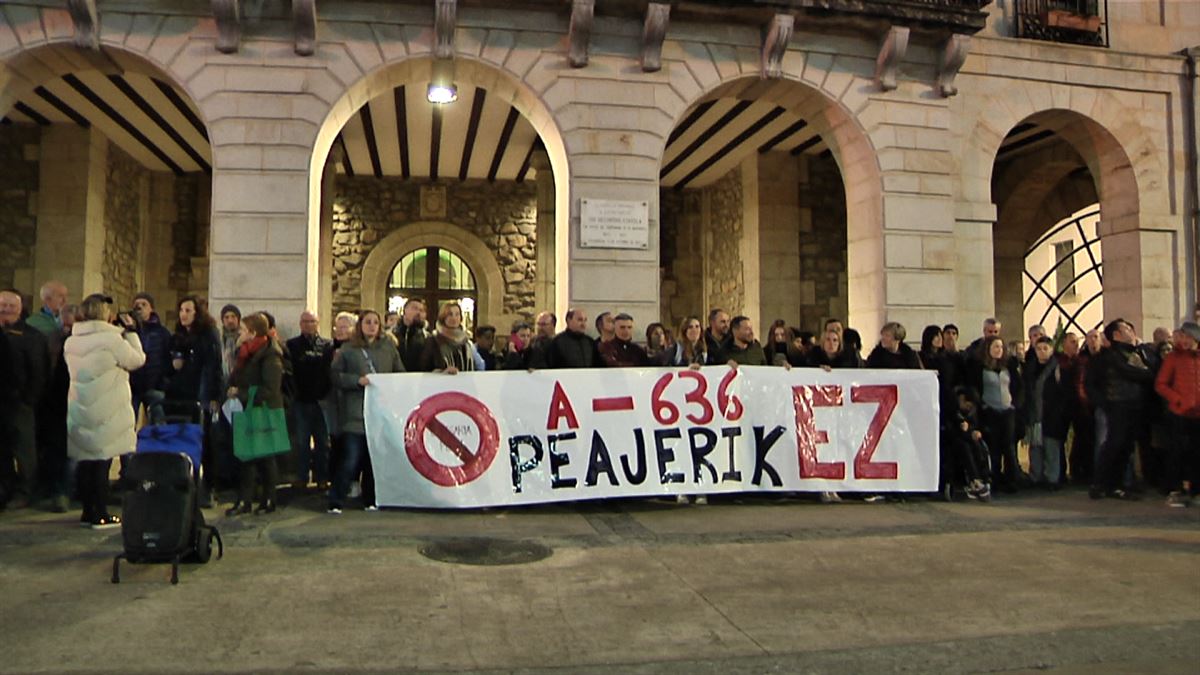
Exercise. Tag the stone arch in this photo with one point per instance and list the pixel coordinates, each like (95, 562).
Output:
(501, 83)
(829, 97)
(489, 280)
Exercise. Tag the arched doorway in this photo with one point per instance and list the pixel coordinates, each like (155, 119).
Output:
(434, 276)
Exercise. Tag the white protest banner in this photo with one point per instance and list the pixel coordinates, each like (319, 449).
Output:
(491, 439)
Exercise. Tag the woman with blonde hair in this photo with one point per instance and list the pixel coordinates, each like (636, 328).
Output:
(691, 349)
(100, 421)
(450, 349)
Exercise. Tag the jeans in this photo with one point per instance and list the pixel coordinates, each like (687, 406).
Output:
(311, 442)
(1044, 460)
(354, 457)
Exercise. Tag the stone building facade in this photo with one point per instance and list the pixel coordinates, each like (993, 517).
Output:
(921, 106)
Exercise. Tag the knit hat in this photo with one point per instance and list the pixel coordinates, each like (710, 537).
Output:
(1192, 329)
(231, 308)
(145, 296)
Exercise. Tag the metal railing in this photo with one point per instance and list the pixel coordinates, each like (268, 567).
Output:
(1083, 22)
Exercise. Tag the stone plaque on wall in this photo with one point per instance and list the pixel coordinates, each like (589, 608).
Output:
(433, 201)
(605, 223)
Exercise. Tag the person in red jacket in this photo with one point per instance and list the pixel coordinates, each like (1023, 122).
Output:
(1178, 382)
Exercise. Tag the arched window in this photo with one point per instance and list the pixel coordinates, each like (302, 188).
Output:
(435, 276)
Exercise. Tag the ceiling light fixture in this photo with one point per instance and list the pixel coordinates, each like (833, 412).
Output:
(442, 89)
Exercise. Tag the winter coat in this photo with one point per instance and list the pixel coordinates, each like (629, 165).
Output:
(410, 341)
(1120, 378)
(718, 347)
(676, 357)
(311, 358)
(264, 370)
(751, 355)
(30, 361)
(441, 353)
(10, 387)
(817, 358)
(1178, 383)
(904, 359)
(622, 354)
(156, 343)
(200, 378)
(350, 363)
(100, 421)
(1046, 396)
(569, 349)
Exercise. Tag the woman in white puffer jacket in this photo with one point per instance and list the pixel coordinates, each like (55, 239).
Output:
(100, 420)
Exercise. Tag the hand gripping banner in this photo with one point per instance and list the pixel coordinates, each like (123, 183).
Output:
(493, 439)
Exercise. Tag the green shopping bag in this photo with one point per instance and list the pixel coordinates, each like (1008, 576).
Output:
(259, 431)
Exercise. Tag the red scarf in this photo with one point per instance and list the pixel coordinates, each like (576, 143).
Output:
(249, 348)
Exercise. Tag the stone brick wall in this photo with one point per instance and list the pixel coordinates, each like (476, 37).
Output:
(823, 262)
(502, 215)
(184, 230)
(125, 180)
(722, 244)
(18, 202)
(681, 219)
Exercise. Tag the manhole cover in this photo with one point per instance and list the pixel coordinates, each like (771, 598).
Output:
(485, 551)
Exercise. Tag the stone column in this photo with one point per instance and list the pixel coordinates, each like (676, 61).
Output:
(157, 242)
(1009, 266)
(779, 227)
(544, 278)
(751, 247)
(975, 275)
(1142, 277)
(258, 258)
(70, 237)
(325, 241)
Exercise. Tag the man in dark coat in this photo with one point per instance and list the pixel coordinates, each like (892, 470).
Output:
(410, 335)
(311, 356)
(743, 349)
(572, 348)
(1121, 384)
(718, 336)
(31, 362)
(621, 351)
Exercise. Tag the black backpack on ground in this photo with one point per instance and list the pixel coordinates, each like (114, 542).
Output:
(161, 517)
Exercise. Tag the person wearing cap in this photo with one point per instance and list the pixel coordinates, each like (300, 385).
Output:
(100, 421)
(1178, 382)
(149, 383)
(30, 361)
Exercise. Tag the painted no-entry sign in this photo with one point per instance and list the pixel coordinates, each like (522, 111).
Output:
(425, 418)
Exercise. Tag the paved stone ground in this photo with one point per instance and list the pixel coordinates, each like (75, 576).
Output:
(1028, 583)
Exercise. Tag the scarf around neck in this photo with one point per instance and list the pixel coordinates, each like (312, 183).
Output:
(249, 348)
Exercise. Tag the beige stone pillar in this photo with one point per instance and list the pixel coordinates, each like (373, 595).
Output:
(975, 275)
(779, 226)
(544, 278)
(157, 242)
(1141, 279)
(258, 257)
(751, 247)
(1009, 266)
(71, 194)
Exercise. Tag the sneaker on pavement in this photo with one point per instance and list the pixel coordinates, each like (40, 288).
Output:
(371, 508)
(1123, 495)
(1177, 500)
(681, 499)
(334, 510)
(701, 500)
(874, 499)
(106, 523)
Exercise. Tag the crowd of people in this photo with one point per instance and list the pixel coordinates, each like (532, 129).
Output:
(76, 381)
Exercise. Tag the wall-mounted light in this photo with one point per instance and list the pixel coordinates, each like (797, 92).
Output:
(442, 89)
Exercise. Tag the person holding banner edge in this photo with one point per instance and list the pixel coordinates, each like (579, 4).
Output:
(367, 353)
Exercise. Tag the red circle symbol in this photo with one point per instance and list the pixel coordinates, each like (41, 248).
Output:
(424, 418)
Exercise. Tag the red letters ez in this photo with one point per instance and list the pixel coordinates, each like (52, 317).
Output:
(805, 398)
